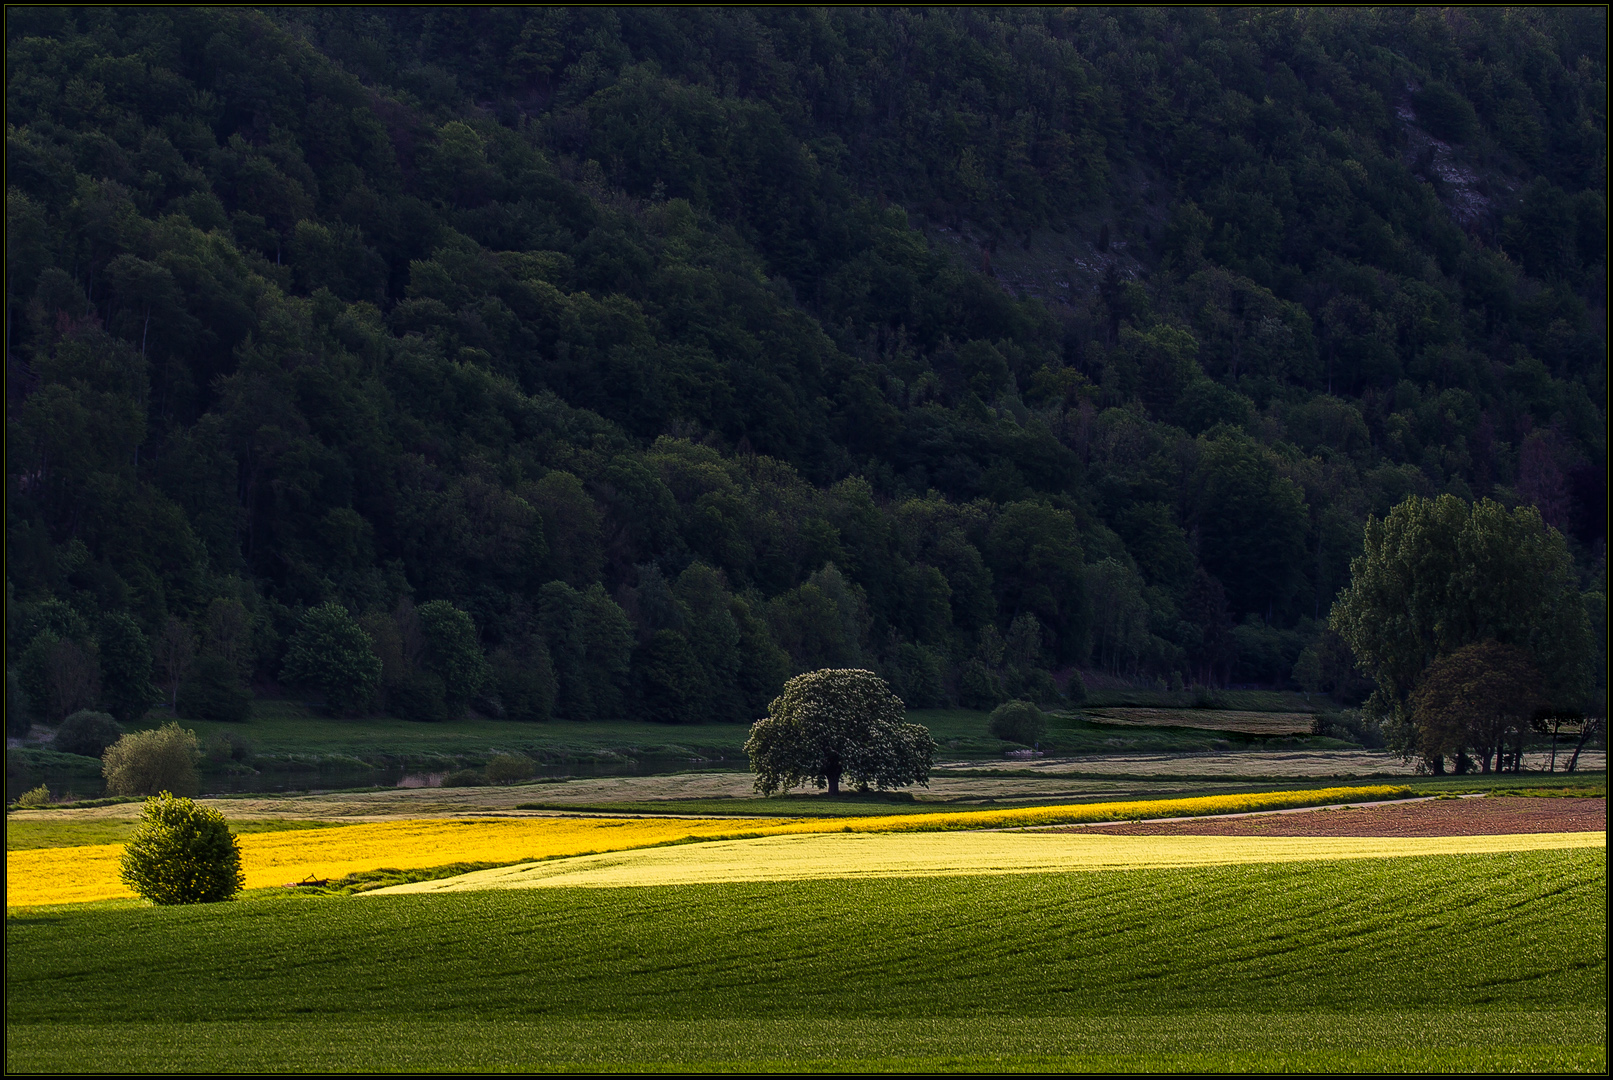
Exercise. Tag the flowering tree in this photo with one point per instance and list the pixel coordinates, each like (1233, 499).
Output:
(834, 724)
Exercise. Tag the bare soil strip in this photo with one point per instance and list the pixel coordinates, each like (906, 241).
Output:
(1489, 816)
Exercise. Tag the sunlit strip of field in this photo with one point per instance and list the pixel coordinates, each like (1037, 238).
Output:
(1027, 816)
(76, 875)
(797, 858)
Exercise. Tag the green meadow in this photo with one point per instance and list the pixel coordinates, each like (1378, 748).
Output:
(1440, 963)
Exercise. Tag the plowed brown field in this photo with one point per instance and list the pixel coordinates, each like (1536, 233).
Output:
(1489, 816)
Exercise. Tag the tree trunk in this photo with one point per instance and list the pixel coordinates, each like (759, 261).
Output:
(1586, 730)
(832, 768)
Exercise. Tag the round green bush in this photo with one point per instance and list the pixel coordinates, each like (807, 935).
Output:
(87, 733)
(146, 762)
(1018, 721)
(508, 768)
(33, 798)
(464, 778)
(182, 853)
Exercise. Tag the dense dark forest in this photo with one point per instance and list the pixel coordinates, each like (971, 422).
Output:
(685, 349)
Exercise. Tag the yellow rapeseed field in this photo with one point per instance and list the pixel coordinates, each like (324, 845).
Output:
(76, 875)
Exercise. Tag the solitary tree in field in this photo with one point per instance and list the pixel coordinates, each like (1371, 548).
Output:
(838, 724)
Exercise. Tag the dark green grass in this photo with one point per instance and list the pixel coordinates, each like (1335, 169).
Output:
(284, 734)
(22, 834)
(1077, 735)
(1371, 964)
(963, 732)
(1246, 700)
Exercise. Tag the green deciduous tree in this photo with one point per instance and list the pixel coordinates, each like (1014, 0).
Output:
(1440, 574)
(333, 654)
(669, 683)
(86, 733)
(523, 675)
(174, 652)
(146, 762)
(126, 688)
(714, 639)
(838, 724)
(1035, 556)
(213, 691)
(508, 768)
(1017, 721)
(182, 853)
(1251, 523)
(1480, 697)
(59, 675)
(17, 719)
(591, 641)
(453, 654)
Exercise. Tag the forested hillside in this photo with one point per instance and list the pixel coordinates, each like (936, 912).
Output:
(686, 349)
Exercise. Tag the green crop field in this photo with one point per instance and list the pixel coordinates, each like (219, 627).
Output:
(1438, 963)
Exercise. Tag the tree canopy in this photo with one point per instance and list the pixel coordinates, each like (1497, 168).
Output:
(1440, 575)
(683, 350)
(838, 724)
(1481, 697)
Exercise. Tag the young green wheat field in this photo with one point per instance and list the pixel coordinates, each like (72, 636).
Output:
(1487, 961)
